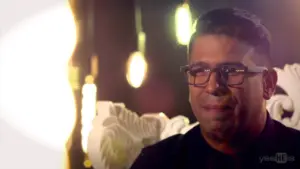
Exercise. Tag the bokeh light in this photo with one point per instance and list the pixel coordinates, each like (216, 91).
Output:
(136, 69)
(183, 20)
(36, 97)
(88, 111)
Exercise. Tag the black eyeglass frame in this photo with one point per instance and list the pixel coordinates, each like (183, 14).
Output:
(244, 69)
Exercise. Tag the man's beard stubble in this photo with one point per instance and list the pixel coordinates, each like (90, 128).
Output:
(236, 136)
(222, 134)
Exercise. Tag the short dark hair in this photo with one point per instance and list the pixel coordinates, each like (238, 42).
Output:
(236, 23)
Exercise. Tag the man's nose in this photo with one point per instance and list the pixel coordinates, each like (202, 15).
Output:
(216, 86)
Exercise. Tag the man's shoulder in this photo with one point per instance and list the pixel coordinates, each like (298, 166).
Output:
(287, 135)
(164, 148)
(159, 155)
(163, 154)
(176, 141)
(283, 130)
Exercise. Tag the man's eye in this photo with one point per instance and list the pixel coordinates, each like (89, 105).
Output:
(199, 71)
(232, 70)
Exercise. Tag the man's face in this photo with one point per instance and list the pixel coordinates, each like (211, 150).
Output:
(224, 111)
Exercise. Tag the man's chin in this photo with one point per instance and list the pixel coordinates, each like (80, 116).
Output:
(220, 132)
(218, 136)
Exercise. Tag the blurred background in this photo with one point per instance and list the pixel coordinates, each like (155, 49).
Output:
(114, 38)
(129, 51)
(110, 30)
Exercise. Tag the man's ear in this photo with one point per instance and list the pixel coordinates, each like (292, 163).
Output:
(269, 83)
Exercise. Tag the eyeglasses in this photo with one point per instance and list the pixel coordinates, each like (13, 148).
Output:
(227, 74)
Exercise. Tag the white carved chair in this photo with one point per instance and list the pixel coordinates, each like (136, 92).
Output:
(118, 134)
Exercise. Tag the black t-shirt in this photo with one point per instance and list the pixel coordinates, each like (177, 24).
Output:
(278, 147)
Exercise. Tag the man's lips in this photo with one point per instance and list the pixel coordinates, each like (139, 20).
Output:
(219, 113)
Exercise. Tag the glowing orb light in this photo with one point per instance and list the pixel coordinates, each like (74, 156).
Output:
(183, 20)
(136, 69)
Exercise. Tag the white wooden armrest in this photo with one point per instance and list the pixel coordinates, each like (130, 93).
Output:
(289, 81)
(118, 135)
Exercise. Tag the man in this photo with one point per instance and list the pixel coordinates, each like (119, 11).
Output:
(230, 78)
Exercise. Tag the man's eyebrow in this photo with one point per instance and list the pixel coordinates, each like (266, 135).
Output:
(199, 63)
(230, 63)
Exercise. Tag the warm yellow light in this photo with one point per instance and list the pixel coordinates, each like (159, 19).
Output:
(183, 24)
(142, 42)
(36, 98)
(88, 112)
(87, 164)
(136, 69)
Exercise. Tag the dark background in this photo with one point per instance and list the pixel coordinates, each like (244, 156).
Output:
(112, 37)
(164, 90)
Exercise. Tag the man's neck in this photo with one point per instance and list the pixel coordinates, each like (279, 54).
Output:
(242, 139)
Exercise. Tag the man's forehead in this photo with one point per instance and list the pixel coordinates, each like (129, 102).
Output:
(216, 49)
